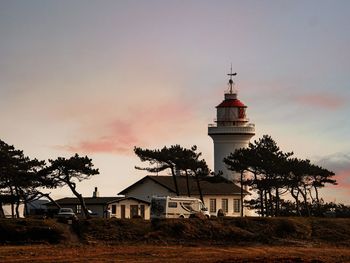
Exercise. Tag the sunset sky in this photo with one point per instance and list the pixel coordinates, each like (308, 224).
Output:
(100, 77)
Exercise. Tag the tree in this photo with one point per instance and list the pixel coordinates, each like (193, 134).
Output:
(264, 161)
(274, 173)
(9, 159)
(191, 165)
(26, 181)
(304, 179)
(68, 172)
(18, 176)
(239, 161)
(179, 160)
(161, 158)
(21, 178)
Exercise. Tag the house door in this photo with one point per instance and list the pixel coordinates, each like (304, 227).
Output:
(122, 211)
(142, 211)
(134, 210)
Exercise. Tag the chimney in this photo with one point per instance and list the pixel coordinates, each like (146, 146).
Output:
(95, 193)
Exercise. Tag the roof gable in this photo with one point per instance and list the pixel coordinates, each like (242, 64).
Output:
(209, 185)
(129, 198)
(87, 200)
(95, 200)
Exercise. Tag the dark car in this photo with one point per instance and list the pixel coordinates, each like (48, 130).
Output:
(66, 214)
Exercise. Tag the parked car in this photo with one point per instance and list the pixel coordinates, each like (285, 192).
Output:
(92, 214)
(66, 214)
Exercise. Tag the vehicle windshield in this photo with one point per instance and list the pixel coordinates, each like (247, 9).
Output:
(203, 207)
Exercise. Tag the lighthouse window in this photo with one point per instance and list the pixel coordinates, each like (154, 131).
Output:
(241, 113)
(212, 205)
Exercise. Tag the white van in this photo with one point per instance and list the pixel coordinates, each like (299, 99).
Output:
(176, 207)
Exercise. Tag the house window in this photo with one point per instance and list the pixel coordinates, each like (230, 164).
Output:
(134, 211)
(224, 205)
(236, 205)
(122, 211)
(114, 209)
(78, 209)
(142, 211)
(212, 205)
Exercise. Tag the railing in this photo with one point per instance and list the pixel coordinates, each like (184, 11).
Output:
(230, 120)
(246, 125)
(231, 129)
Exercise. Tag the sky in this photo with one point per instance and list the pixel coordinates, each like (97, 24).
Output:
(100, 77)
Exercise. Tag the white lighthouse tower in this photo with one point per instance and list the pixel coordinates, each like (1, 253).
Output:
(231, 131)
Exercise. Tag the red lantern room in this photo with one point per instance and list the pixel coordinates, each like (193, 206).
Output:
(231, 112)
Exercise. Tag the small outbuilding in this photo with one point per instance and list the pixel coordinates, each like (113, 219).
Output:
(106, 207)
(129, 207)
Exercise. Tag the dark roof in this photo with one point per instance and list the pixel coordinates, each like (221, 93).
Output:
(228, 103)
(129, 197)
(93, 200)
(209, 185)
(88, 200)
(37, 204)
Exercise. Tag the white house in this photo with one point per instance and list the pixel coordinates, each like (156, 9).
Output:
(218, 193)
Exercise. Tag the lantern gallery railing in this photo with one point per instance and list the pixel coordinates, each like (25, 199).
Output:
(213, 129)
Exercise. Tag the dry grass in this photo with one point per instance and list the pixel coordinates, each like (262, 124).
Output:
(226, 231)
(195, 240)
(149, 253)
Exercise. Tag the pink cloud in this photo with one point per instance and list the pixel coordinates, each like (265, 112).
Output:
(343, 179)
(99, 145)
(139, 126)
(339, 163)
(325, 101)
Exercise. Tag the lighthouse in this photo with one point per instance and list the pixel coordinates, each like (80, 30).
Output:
(230, 131)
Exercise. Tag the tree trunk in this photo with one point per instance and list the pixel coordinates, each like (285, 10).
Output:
(296, 197)
(277, 208)
(303, 194)
(188, 184)
(175, 181)
(316, 193)
(83, 206)
(271, 208)
(241, 193)
(12, 203)
(267, 209)
(52, 201)
(310, 194)
(80, 198)
(25, 212)
(317, 200)
(199, 188)
(261, 202)
(2, 213)
(18, 202)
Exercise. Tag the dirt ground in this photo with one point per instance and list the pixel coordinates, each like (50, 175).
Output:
(162, 253)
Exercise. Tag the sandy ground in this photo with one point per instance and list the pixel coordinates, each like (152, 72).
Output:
(149, 253)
